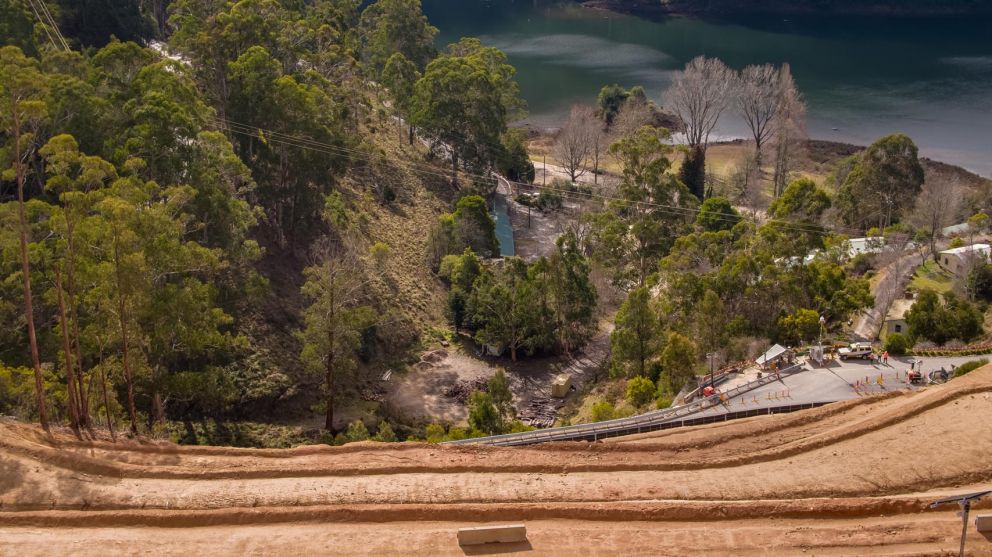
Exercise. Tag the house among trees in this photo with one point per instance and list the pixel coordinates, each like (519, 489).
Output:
(960, 260)
(895, 319)
(872, 244)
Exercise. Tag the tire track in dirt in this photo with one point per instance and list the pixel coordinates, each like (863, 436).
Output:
(808, 432)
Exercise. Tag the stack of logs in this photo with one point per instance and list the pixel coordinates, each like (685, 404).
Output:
(462, 389)
(541, 411)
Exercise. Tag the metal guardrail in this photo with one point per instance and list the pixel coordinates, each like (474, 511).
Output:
(649, 421)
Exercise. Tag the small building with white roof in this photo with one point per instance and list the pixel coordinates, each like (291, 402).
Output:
(960, 260)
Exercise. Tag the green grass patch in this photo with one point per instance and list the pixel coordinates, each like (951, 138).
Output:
(932, 276)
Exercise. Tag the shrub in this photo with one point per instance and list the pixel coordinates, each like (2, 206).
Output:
(519, 427)
(483, 414)
(324, 438)
(434, 433)
(379, 253)
(897, 344)
(385, 433)
(663, 401)
(862, 264)
(602, 411)
(457, 433)
(968, 367)
(356, 432)
(549, 200)
(640, 390)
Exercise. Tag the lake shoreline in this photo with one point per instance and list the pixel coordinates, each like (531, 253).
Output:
(819, 151)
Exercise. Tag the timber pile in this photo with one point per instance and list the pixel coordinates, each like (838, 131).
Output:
(541, 412)
(462, 389)
(373, 393)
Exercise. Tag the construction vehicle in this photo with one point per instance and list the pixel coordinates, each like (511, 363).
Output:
(861, 350)
(938, 376)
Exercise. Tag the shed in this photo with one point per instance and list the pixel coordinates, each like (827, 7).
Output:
(871, 244)
(960, 260)
(774, 354)
(561, 385)
(895, 319)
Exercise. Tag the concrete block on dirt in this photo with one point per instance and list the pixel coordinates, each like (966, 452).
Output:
(984, 523)
(492, 534)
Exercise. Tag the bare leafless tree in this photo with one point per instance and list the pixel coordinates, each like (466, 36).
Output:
(757, 102)
(744, 185)
(698, 96)
(789, 129)
(936, 206)
(577, 141)
(631, 117)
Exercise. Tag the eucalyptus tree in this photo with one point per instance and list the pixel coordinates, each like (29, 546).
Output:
(465, 100)
(636, 338)
(399, 76)
(884, 181)
(22, 113)
(75, 179)
(563, 276)
(333, 323)
(397, 26)
(505, 307)
(651, 209)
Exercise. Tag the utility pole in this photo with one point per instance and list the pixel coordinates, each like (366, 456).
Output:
(544, 175)
(823, 321)
(711, 356)
(964, 501)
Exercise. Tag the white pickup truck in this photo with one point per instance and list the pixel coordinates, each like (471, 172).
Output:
(856, 350)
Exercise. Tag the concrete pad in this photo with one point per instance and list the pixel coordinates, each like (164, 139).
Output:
(492, 534)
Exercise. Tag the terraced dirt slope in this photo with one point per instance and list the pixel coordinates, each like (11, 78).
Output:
(851, 478)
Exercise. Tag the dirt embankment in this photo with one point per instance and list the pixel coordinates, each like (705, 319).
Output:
(849, 478)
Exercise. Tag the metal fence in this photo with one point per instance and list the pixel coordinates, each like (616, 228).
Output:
(650, 421)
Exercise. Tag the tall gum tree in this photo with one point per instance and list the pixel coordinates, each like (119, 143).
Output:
(73, 177)
(22, 113)
(333, 323)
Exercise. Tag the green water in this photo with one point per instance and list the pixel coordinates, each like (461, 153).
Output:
(504, 228)
(862, 77)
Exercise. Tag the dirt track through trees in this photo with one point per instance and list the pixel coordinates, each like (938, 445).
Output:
(884, 456)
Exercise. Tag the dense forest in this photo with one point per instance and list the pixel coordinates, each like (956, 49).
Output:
(220, 231)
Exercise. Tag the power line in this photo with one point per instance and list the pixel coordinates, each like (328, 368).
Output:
(58, 32)
(424, 169)
(47, 22)
(311, 144)
(44, 25)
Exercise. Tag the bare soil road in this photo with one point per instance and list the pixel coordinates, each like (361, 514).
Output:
(853, 478)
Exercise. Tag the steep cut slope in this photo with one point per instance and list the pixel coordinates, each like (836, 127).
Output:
(850, 478)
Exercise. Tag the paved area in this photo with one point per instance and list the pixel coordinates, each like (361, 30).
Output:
(833, 383)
